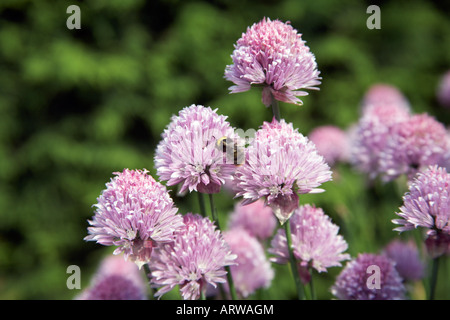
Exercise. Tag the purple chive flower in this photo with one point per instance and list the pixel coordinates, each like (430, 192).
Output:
(358, 280)
(384, 94)
(116, 279)
(134, 213)
(443, 91)
(280, 164)
(272, 55)
(188, 152)
(252, 270)
(407, 260)
(331, 142)
(255, 218)
(413, 144)
(315, 241)
(427, 205)
(372, 133)
(195, 259)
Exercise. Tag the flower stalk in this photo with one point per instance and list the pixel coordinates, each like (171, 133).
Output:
(215, 218)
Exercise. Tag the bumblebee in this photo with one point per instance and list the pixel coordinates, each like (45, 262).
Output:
(231, 150)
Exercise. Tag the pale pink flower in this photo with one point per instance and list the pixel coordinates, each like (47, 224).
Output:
(134, 213)
(193, 261)
(272, 55)
(280, 164)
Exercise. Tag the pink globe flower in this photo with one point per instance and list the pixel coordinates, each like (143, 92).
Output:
(193, 261)
(255, 218)
(413, 144)
(331, 142)
(280, 164)
(372, 133)
(315, 241)
(427, 205)
(252, 270)
(353, 283)
(134, 213)
(188, 152)
(272, 55)
(116, 279)
(384, 94)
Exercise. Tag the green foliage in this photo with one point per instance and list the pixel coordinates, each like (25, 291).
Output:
(77, 105)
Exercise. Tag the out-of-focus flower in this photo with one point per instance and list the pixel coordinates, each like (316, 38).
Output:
(353, 283)
(331, 142)
(371, 134)
(135, 213)
(315, 240)
(195, 259)
(413, 144)
(383, 94)
(406, 258)
(255, 218)
(280, 164)
(427, 205)
(252, 270)
(116, 279)
(443, 91)
(272, 55)
(188, 152)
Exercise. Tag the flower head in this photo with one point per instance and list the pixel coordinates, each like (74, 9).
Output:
(280, 164)
(195, 259)
(413, 144)
(272, 54)
(188, 152)
(252, 270)
(315, 240)
(427, 205)
(353, 283)
(384, 94)
(406, 258)
(135, 213)
(116, 279)
(372, 133)
(331, 142)
(255, 218)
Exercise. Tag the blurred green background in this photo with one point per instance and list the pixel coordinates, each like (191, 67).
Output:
(77, 105)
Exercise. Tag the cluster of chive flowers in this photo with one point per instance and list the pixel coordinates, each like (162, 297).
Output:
(200, 152)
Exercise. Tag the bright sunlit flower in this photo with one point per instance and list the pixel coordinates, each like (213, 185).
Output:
(134, 213)
(315, 240)
(195, 259)
(281, 163)
(188, 152)
(272, 55)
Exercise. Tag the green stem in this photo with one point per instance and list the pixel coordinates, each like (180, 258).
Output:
(433, 280)
(293, 262)
(275, 108)
(311, 285)
(201, 201)
(148, 276)
(227, 268)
